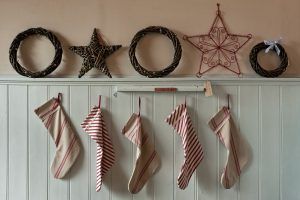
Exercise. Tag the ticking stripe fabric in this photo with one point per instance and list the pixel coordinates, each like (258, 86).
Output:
(147, 159)
(237, 154)
(193, 152)
(94, 125)
(66, 142)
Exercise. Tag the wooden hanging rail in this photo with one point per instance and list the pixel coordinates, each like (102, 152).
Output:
(142, 88)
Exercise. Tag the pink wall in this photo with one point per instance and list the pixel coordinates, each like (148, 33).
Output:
(73, 22)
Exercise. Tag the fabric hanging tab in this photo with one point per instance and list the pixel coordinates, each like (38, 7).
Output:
(99, 103)
(67, 144)
(228, 101)
(139, 106)
(59, 97)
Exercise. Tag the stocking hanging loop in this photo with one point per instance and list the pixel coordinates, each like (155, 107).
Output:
(228, 101)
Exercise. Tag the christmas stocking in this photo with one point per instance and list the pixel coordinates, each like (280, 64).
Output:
(66, 142)
(237, 155)
(193, 153)
(147, 160)
(94, 125)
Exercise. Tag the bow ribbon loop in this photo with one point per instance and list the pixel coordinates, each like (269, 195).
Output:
(273, 45)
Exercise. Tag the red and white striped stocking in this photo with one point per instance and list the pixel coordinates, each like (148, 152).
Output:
(94, 125)
(193, 153)
(147, 160)
(237, 156)
(66, 142)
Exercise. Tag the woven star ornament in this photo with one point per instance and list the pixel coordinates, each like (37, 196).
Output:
(94, 55)
(218, 47)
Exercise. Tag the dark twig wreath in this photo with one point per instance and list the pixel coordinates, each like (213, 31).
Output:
(268, 73)
(16, 43)
(161, 30)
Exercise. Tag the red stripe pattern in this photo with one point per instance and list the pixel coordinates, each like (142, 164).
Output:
(66, 142)
(94, 125)
(147, 160)
(237, 154)
(193, 152)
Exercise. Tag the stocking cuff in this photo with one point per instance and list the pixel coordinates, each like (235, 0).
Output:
(219, 119)
(176, 115)
(47, 108)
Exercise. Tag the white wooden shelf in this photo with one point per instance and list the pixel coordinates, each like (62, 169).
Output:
(216, 80)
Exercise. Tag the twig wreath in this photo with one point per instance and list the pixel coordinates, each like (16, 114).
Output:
(16, 43)
(155, 29)
(284, 61)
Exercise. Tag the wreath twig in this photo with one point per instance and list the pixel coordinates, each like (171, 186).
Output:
(168, 69)
(16, 43)
(268, 73)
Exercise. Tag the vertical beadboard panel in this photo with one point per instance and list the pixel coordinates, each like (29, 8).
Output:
(269, 143)
(79, 176)
(267, 118)
(207, 172)
(105, 93)
(148, 127)
(249, 131)
(121, 112)
(290, 142)
(222, 92)
(18, 148)
(164, 144)
(38, 144)
(189, 192)
(58, 188)
(3, 141)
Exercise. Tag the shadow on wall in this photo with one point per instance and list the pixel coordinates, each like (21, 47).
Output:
(190, 60)
(69, 60)
(119, 155)
(293, 53)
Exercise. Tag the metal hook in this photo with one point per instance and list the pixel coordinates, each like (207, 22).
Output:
(218, 11)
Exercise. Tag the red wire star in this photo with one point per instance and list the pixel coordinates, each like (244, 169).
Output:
(218, 47)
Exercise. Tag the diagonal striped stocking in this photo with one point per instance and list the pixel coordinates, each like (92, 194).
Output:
(193, 153)
(147, 160)
(66, 142)
(94, 125)
(237, 155)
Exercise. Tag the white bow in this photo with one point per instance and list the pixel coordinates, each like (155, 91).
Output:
(273, 44)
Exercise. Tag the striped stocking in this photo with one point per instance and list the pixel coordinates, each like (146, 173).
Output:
(193, 153)
(66, 142)
(94, 125)
(237, 155)
(147, 160)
